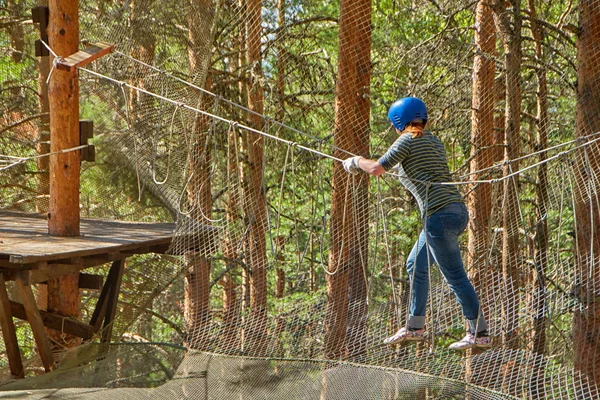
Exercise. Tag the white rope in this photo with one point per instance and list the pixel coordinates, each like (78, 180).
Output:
(236, 124)
(55, 61)
(529, 155)
(21, 160)
(319, 153)
(232, 103)
(389, 256)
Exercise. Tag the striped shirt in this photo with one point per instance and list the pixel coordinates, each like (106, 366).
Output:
(420, 160)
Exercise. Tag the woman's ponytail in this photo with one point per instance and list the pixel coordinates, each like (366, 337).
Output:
(414, 128)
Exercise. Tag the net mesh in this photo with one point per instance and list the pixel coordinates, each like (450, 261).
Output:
(229, 118)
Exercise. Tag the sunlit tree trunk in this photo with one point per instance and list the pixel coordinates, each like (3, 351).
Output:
(197, 280)
(255, 201)
(586, 322)
(63, 95)
(346, 286)
(479, 201)
(508, 21)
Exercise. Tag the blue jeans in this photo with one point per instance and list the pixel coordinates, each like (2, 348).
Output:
(442, 229)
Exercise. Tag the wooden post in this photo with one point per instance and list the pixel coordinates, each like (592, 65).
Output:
(63, 97)
(9, 333)
(63, 93)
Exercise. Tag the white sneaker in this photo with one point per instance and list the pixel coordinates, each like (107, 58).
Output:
(405, 335)
(470, 341)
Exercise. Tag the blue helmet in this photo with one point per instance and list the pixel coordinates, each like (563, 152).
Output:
(406, 110)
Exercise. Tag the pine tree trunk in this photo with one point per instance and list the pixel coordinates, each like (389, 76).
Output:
(63, 94)
(479, 201)
(509, 26)
(255, 202)
(346, 287)
(197, 282)
(586, 322)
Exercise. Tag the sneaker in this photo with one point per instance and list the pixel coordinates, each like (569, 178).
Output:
(406, 335)
(470, 341)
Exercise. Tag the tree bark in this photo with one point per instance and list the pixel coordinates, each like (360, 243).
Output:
(63, 97)
(255, 201)
(197, 281)
(479, 201)
(538, 297)
(586, 323)
(17, 35)
(508, 24)
(346, 286)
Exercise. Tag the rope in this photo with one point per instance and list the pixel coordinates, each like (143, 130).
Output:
(21, 160)
(232, 103)
(320, 153)
(527, 156)
(387, 249)
(236, 124)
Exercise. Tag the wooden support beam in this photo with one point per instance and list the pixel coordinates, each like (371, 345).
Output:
(56, 322)
(90, 281)
(37, 325)
(100, 310)
(86, 281)
(52, 271)
(112, 297)
(84, 57)
(9, 333)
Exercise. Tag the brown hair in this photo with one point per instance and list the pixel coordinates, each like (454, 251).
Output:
(415, 128)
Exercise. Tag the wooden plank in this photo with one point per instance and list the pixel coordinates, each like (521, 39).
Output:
(9, 333)
(84, 57)
(25, 239)
(37, 326)
(112, 298)
(56, 322)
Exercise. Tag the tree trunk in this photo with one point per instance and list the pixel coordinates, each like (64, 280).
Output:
(231, 335)
(509, 26)
(255, 202)
(281, 62)
(15, 30)
(63, 218)
(479, 201)
(586, 323)
(346, 286)
(197, 281)
(538, 298)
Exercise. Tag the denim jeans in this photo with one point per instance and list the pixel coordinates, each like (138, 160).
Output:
(442, 229)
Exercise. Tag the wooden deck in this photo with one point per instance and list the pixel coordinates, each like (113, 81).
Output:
(24, 240)
(28, 255)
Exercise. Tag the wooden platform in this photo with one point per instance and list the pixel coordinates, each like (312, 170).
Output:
(24, 240)
(28, 255)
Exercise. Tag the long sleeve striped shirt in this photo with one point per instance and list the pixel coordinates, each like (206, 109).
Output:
(422, 159)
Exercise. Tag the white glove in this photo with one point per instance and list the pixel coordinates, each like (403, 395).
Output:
(351, 165)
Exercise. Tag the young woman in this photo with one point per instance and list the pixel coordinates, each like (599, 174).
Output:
(421, 160)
